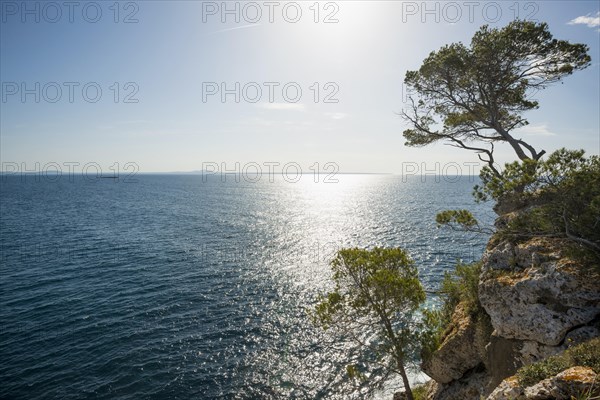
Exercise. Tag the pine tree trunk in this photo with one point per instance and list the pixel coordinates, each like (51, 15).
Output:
(407, 389)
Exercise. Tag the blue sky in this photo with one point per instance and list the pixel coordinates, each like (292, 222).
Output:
(169, 54)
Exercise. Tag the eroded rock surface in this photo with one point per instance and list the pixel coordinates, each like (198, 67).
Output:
(458, 352)
(568, 384)
(541, 295)
(471, 386)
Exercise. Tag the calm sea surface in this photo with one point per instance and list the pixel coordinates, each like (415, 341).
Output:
(172, 287)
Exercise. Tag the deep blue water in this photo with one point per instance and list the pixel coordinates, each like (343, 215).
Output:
(172, 287)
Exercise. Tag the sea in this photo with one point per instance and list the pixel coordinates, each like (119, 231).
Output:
(167, 286)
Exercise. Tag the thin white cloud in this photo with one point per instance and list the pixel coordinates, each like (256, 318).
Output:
(282, 106)
(589, 20)
(336, 115)
(537, 130)
(233, 29)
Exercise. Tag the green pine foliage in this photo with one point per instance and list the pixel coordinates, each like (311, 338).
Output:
(376, 290)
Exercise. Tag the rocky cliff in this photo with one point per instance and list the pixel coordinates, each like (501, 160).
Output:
(572, 383)
(539, 299)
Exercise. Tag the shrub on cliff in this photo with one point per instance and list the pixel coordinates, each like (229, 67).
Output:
(586, 354)
(458, 286)
(461, 285)
(557, 197)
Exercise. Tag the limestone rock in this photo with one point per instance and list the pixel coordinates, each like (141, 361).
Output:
(471, 386)
(539, 302)
(457, 353)
(433, 390)
(580, 335)
(500, 257)
(509, 389)
(502, 358)
(505, 356)
(569, 383)
(508, 256)
(531, 352)
(564, 386)
(541, 298)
